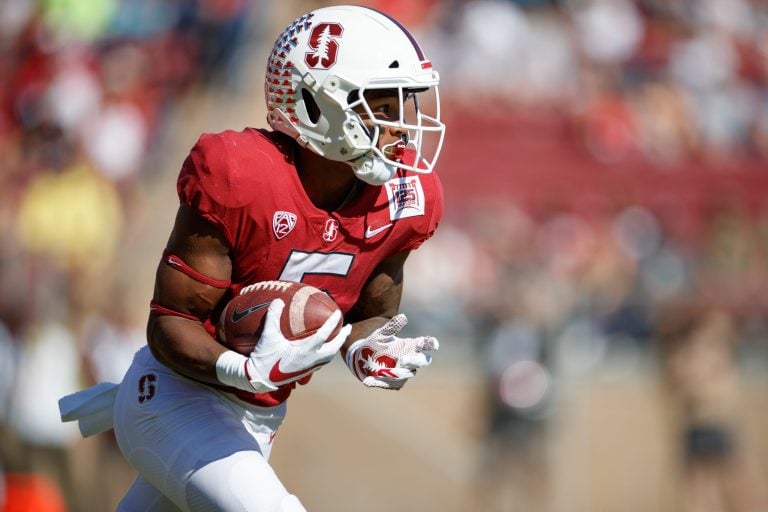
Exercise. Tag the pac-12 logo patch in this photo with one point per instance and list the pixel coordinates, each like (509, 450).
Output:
(406, 197)
(324, 46)
(147, 388)
(283, 223)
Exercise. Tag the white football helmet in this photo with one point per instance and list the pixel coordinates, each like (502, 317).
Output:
(318, 72)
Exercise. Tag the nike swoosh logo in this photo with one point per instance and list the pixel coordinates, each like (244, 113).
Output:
(370, 233)
(239, 315)
(277, 376)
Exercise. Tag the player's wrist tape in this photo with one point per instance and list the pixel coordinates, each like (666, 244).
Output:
(232, 370)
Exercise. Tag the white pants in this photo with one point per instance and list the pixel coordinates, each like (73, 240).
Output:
(195, 448)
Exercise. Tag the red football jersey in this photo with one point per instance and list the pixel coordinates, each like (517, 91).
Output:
(246, 184)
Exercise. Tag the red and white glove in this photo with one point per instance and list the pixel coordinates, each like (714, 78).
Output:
(276, 361)
(382, 360)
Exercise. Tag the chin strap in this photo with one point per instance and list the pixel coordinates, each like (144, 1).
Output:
(373, 169)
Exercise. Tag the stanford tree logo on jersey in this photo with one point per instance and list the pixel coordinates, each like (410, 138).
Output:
(331, 230)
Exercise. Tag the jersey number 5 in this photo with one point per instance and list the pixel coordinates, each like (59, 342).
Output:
(301, 263)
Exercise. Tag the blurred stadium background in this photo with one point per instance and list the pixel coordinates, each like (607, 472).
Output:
(599, 283)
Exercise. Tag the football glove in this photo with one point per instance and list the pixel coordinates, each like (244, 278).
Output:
(276, 361)
(382, 360)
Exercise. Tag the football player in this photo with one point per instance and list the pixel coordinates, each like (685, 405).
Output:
(335, 196)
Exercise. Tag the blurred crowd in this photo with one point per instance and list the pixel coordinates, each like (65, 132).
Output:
(87, 88)
(87, 93)
(561, 288)
(663, 80)
(554, 300)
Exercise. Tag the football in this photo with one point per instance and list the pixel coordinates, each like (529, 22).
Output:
(306, 310)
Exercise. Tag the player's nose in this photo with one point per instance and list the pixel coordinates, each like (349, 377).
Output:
(398, 132)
